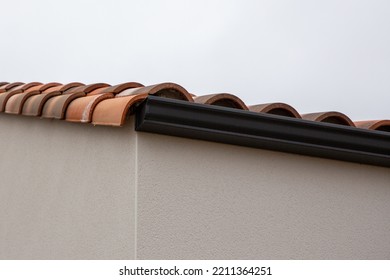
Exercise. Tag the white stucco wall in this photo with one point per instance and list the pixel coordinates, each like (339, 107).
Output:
(66, 190)
(203, 200)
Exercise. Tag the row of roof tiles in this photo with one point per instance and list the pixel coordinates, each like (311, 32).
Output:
(103, 104)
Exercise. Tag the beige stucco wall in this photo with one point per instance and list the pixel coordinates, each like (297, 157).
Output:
(73, 191)
(66, 190)
(203, 200)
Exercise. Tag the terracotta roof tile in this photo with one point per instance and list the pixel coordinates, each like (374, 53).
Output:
(49, 85)
(55, 107)
(33, 105)
(15, 90)
(68, 87)
(222, 99)
(88, 88)
(15, 103)
(9, 86)
(329, 117)
(29, 85)
(281, 109)
(114, 111)
(167, 90)
(121, 87)
(102, 104)
(382, 125)
(81, 109)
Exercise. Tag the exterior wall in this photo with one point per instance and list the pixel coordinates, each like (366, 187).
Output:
(72, 191)
(66, 190)
(203, 200)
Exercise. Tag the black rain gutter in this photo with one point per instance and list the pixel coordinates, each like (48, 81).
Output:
(265, 131)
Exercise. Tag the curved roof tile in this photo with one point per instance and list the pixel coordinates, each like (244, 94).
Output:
(49, 85)
(55, 107)
(88, 88)
(121, 87)
(329, 117)
(69, 86)
(16, 90)
(81, 109)
(8, 86)
(167, 90)
(281, 109)
(34, 104)
(15, 103)
(113, 111)
(382, 125)
(222, 99)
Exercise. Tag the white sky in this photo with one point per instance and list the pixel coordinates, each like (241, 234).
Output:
(313, 55)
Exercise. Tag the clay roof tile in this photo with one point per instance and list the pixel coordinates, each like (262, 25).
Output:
(81, 109)
(381, 125)
(55, 107)
(33, 106)
(281, 109)
(5, 96)
(329, 117)
(222, 99)
(114, 111)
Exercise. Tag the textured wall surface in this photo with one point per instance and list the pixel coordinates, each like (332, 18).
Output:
(202, 200)
(66, 190)
(72, 191)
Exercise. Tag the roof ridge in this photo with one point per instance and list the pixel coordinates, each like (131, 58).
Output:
(104, 104)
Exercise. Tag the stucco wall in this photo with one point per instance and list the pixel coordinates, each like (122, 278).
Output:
(72, 191)
(66, 190)
(203, 200)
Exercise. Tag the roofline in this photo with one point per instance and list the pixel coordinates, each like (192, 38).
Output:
(265, 131)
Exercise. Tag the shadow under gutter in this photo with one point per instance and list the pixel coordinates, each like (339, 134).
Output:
(265, 131)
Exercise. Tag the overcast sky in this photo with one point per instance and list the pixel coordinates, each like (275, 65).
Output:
(313, 55)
